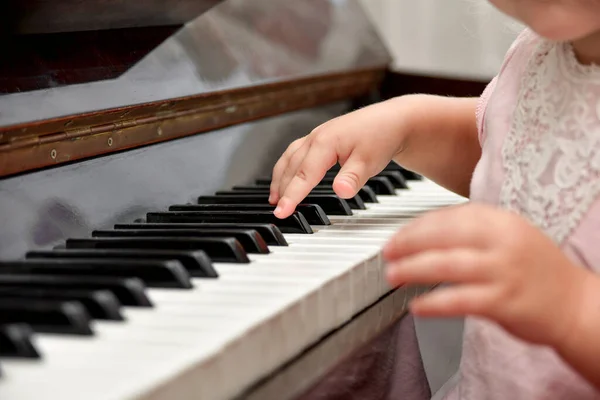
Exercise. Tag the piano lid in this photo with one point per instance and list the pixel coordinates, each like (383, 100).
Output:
(59, 16)
(239, 61)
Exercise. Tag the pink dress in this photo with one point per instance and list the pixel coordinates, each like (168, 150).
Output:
(539, 128)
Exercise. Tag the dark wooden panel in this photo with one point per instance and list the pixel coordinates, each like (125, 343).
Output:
(397, 84)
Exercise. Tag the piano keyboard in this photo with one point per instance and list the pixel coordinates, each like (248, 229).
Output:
(200, 301)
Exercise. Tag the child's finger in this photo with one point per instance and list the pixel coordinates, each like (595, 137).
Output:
(352, 176)
(431, 267)
(312, 169)
(443, 229)
(456, 301)
(280, 168)
(293, 166)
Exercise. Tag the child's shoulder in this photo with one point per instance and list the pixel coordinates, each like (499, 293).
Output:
(510, 74)
(521, 49)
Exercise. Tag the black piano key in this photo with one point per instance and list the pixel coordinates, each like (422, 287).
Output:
(61, 317)
(249, 239)
(313, 213)
(366, 194)
(165, 274)
(408, 175)
(396, 179)
(393, 166)
(100, 304)
(130, 292)
(197, 263)
(218, 249)
(263, 182)
(355, 203)
(16, 342)
(295, 223)
(263, 187)
(269, 232)
(331, 204)
(380, 185)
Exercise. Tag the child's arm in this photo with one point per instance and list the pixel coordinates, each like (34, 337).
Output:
(443, 143)
(581, 347)
(435, 136)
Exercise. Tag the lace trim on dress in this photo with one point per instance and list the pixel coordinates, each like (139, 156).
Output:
(551, 154)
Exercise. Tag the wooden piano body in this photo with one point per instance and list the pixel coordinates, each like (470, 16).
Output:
(109, 110)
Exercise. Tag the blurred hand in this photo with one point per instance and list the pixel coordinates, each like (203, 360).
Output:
(501, 268)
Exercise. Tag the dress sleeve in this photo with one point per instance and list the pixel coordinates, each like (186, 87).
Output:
(481, 107)
(491, 87)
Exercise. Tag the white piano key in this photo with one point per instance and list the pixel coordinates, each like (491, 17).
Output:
(357, 236)
(347, 240)
(283, 255)
(359, 219)
(358, 227)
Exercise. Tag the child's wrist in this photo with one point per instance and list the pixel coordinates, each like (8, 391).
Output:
(580, 346)
(581, 319)
(407, 112)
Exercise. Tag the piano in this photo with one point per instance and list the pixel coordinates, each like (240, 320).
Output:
(139, 258)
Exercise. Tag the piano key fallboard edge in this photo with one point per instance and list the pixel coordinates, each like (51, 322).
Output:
(306, 370)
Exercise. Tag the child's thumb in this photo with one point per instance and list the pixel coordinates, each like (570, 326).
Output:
(352, 176)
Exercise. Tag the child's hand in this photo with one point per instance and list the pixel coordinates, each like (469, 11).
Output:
(501, 268)
(363, 142)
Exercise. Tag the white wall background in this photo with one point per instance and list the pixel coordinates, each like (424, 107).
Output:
(453, 38)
